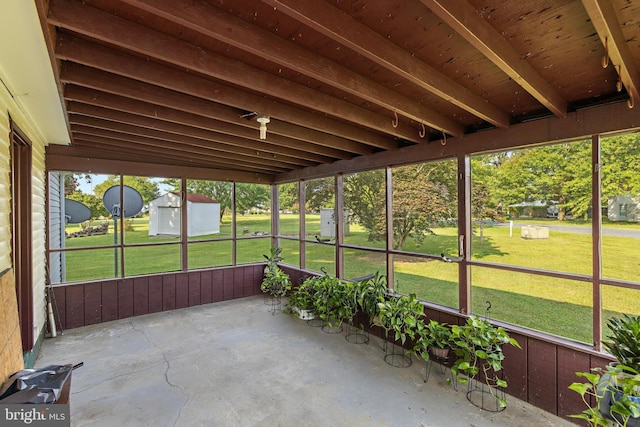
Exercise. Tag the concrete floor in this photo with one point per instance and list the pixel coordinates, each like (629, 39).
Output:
(235, 364)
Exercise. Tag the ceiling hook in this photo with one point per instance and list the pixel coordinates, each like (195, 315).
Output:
(423, 131)
(619, 82)
(394, 122)
(630, 101)
(605, 58)
(443, 141)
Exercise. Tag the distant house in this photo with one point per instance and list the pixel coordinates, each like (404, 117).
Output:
(535, 209)
(624, 208)
(203, 215)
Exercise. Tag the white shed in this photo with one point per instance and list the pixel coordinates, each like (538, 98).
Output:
(203, 215)
(328, 222)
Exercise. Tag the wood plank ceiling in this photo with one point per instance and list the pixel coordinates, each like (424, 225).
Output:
(181, 82)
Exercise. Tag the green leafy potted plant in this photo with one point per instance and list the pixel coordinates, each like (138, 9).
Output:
(301, 300)
(434, 340)
(401, 318)
(615, 389)
(478, 345)
(329, 302)
(275, 281)
(370, 292)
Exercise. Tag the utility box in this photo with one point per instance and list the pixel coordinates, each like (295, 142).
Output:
(328, 223)
(534, 232)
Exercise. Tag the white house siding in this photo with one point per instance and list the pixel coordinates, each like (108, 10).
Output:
(39, 218)
(56, 226)
(5, 189)
(8, 107)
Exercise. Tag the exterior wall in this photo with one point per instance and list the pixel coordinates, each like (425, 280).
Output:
(157, 223)
(56, 226)
(633, 208)
(8, 107)
(164, 217)
(204, 218)
(5, 183)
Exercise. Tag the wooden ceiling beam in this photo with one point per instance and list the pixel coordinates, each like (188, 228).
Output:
(114, 149)
(221, 149)
(71, 158)
(232, 123)
(217, 24)
(604, 19)
(343, 29)
(466, 21)
(83, 83)
(130, 118)
(87, 126)
(134, 77)
(123, 150)
(149, 43)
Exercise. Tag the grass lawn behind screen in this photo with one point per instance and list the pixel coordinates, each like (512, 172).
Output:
(561, 307)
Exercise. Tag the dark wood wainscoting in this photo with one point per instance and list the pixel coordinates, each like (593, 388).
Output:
(81, 304)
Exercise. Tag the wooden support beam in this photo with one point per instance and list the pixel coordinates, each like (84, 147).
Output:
(135, 77)
(604, 19)
(251, 142)
(347, 31)
(85, 126)
(227, 120)
(220, 25)
(87, 160)
(466, 21)
(149, 43)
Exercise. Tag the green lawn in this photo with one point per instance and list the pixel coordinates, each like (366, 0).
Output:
(561, 307)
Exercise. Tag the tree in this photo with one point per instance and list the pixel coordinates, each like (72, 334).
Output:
(288, 197)
(147, 188)
(71, 183)
(94, 203)
(558, 174)
(421, 200)
(319, 193)
(620, 160)
(364, 196)
(250, 196)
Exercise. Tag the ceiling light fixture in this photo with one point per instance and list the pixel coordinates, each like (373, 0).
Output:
(263, 120)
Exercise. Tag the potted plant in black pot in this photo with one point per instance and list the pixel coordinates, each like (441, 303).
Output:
(478, 345)
(434, 342)
(615, 389)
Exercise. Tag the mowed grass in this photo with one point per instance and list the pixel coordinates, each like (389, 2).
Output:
(558, 306)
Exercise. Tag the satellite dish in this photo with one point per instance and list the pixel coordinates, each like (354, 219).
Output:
(75, 212)
(132, 201)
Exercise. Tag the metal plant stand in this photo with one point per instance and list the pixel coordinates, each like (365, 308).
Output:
(396, 355)
(332, 329)
(316, 322)
(444, 362)
(356, 335)
(485, 397)
(275, 304)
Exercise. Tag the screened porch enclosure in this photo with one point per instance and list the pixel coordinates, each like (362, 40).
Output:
(483, 156)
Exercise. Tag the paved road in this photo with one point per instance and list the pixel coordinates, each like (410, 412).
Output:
(618, 232)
